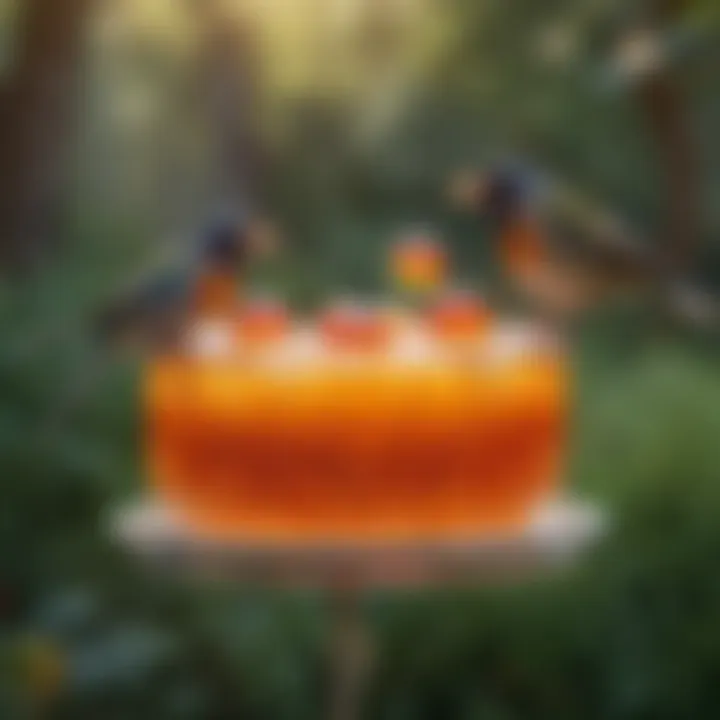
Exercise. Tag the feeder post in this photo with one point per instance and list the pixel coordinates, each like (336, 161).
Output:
(350, 652)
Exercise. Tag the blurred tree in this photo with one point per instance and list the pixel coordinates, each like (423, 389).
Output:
(228, 75)
(661, 97)
(35, 120)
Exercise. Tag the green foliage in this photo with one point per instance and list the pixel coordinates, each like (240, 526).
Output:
(632, 632)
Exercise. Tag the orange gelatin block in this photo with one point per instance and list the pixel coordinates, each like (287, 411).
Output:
(418, 263)
(459, 316)
(355, 328)
(372, 452)
(263, 322)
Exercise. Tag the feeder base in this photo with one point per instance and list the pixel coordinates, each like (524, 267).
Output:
(557, 532)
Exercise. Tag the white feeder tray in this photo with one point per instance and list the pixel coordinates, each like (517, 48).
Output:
(554, 537)
(556, 534)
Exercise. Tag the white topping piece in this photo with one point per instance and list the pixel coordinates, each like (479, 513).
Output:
(209, 339)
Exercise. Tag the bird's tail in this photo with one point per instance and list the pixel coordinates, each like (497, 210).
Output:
(693, 306)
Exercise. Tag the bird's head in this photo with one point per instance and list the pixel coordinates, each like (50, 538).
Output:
(497, 194)
(231, 241)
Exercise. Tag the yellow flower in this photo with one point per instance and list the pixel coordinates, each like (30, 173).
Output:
(42, 667)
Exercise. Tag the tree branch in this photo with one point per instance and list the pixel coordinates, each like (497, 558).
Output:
(662, 101)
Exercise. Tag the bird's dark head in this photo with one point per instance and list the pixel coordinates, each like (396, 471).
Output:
(231, 241)
(497, 194)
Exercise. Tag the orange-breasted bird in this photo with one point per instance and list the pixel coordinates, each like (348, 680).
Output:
(155, 313)
(560, 251)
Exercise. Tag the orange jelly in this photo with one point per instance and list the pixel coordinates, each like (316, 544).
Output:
(377, 450)
(262, 322)
(418, 262)
(459, 316)
(355, 328)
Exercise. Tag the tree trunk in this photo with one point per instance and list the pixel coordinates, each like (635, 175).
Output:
(230, 92)
(35, 119)
(666, 113)
(661, 98)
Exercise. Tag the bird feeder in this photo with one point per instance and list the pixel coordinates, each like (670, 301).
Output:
(354, 452)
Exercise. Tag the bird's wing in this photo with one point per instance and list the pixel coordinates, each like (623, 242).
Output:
(148, 305)
(580, 230)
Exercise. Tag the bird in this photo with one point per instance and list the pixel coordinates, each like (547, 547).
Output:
(561, 252)
(154, 313)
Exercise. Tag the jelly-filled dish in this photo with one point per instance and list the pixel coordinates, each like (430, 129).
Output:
(353, 427)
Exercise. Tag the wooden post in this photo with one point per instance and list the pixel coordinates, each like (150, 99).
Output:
(350, 653)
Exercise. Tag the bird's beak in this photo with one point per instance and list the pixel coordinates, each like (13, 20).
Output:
(264, 239)
(468, 190)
